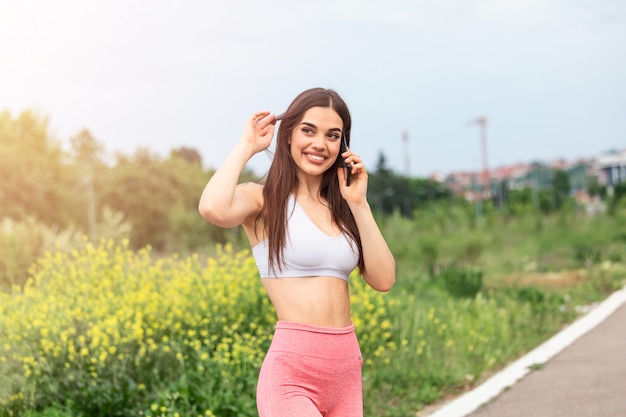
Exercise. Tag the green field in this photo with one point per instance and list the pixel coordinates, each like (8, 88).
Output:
(99, 329)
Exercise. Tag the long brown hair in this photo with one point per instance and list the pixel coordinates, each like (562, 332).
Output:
(282, 179)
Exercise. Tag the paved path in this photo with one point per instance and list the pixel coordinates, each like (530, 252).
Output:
(580, 372)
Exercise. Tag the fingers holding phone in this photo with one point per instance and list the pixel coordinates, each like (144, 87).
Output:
(352, 175)
(347, 167)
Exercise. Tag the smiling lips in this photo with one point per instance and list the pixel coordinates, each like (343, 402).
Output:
(315, 157)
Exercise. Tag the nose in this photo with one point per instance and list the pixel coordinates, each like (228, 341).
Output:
(318, 141)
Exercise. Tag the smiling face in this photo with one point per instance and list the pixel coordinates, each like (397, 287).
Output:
(316, 140)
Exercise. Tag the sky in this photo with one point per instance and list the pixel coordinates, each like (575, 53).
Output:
(549, 75)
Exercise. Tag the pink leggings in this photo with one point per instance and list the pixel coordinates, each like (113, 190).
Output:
(311, 371)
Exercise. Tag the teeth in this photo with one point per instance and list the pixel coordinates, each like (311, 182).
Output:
(316, 157)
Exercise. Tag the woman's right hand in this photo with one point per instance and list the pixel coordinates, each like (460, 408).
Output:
(224, 202)
(259, 131)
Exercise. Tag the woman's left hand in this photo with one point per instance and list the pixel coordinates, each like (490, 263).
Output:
(380, 265)
(356, 192)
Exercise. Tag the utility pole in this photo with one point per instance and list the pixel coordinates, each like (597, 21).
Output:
(91, 203)
(485, 180)
(407, 158)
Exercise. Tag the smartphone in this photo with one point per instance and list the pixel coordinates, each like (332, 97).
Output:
(342, 149)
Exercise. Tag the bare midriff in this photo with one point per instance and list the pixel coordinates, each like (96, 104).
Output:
(318, 301)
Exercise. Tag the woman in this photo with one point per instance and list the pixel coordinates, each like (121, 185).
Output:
(309, 226)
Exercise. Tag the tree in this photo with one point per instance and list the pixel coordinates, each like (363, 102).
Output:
(190, 155)
(36, 180)
(87, 152)
(381, 165)
(560, 188)
(618, 199)
(595, 189)
(159, 197)
(391, 192)
(140, 188)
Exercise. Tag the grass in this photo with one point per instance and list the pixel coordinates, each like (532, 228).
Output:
(534, 281)
(103, 330)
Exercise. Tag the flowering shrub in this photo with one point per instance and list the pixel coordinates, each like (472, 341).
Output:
(108, 331)
(104, 330)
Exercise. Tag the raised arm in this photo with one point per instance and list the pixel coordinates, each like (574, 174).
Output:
(223, 202)
(380, 265)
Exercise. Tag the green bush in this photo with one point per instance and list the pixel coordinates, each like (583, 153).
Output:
(22, 243)
(461, 282)
(105, 331)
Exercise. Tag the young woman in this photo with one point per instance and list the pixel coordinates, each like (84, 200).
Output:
(309, 226)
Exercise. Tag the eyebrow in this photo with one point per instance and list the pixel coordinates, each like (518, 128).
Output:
(333, 129)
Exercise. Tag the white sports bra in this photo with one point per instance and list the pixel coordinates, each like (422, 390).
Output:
(308, 251)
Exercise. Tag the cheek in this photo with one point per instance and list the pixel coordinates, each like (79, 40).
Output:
(296, 143)
(292, 148)
(336, 148)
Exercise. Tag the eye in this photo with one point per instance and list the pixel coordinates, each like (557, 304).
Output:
(334, 135)
(307, 130)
